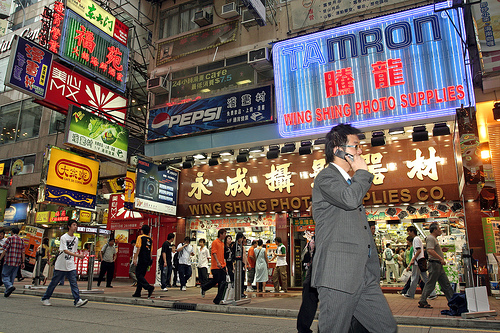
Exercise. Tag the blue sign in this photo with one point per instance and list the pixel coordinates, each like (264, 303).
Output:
(29, 66)
(68, 197)
(236, 109)
(156, 190)
(16, 213)
(401, 67)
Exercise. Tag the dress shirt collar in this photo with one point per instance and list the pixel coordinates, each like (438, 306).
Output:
(342, 171)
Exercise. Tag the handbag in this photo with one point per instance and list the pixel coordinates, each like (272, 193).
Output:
(422, 264)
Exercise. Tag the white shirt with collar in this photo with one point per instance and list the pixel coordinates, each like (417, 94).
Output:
(342, 172)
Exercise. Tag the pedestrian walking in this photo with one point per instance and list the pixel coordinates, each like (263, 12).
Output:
(203, 256)
(43, 252)
(13, 252)
(107, 257)
(251, 266)
(418, 254)
(280, 274)
(185, 251)
(346, 269)
(165, 262)
(261, 264)
(65, 266)
(143, 260)
(218, 267)
(131, 270)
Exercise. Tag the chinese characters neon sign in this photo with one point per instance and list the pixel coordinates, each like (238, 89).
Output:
(394, 68)
(85, 45)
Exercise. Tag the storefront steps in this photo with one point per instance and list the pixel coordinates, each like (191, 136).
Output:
(287, 304)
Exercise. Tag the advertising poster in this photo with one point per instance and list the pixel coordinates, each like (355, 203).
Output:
(130, 189)
(487, 18)
(156, 191)
(17, 212)
(92, 133)
(406, 66)
(3, 202)
(240, 108)
(67, 87)
(121, 218)
(28, 69)
(89, 48)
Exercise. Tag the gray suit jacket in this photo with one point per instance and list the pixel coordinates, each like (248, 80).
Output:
(344, 243)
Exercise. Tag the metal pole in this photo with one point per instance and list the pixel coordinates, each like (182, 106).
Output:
(237, 280)
(36, 280)
(90, 268)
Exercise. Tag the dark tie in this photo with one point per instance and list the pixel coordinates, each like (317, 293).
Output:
(349, 181)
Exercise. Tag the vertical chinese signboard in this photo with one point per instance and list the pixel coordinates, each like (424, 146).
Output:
(28, 68)
(89, 47)
(400, 67)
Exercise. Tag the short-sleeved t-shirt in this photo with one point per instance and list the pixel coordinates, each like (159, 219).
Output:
(281, 261)
(251, 261)
(218, 249)
(185, 254)
(144, 245)
(433, 243)
(64, 261)
(417, 244)
(167, 249)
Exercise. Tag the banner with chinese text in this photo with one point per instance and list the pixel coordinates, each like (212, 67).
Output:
(236, 109)
(406, 66)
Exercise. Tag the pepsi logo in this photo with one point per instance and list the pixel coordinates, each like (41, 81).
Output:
(161, 120)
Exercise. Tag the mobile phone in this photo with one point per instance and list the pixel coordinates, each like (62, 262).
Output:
(343, 155)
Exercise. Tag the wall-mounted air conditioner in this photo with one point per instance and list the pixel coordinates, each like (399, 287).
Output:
(203, 17)
(260, 59)
(158, 85)
(248, 19)
(229, 10)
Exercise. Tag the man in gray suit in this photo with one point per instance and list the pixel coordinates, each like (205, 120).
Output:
(346, 270)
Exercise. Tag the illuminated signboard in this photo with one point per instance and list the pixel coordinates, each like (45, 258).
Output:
(86, 46)
(156, 190)
(101, 18)
(87, 131)
(55, 18)
(401, 67)
(247, 107)
(28, 68)
(70, 88)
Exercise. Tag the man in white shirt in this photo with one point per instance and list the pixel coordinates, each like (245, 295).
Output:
(203, 262)
(390, 264)
(65, 266)
(418, 248)
(185, 251)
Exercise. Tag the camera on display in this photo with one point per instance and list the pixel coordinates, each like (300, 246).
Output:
(148, 187)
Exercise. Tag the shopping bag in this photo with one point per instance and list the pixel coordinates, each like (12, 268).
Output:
(228, 291)
(405, 276)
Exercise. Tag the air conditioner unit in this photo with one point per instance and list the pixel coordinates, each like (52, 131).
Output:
(229, 10)
(203, 17)
(248, 19)
(158, 85)
(260, 59)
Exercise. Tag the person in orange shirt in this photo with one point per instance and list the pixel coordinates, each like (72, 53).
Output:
(251, 266)
(218, 267)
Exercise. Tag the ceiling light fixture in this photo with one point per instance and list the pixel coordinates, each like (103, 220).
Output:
(274, 152)
(378, 139)
(420, 134)
(288, 147)
(440, 129)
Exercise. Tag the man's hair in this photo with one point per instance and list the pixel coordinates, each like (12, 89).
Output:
(145, 229)
(239, 235)
(111, 239)
(337, 137)
(254, 242)
(371, 223)
(388, 244)
(434, 226)
(2, 231)
(45, 241)
(15, 230)
(187, 239)
(133, 241)
(221, 232)
(70, 222)
(409, 238)
(278, 239)
(260, 242)
(170, 236)
(412, 228)
(202, 240)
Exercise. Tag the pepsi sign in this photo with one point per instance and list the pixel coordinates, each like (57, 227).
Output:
(237, 109)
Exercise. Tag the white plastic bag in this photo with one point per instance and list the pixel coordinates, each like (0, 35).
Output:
(405, 276)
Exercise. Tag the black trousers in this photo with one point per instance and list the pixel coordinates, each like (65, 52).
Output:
(140, 272)
(219, 276)
(109, 269)
(203, 275)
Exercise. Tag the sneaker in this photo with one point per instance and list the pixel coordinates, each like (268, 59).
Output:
(9, 291)
(46, 302)
(81, 302)
(164, 289)
(272, 291)
(135, 295)
(202, 292)
(407, 296)
(250, 290)
(150, 292)
(183, 288)
(282, 291)
(432, 297)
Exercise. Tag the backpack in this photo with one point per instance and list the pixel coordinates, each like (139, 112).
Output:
(388, 254)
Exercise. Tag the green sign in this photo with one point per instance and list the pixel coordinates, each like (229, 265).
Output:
(92, 133)
(303, 221)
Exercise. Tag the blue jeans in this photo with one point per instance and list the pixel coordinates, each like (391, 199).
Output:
(184, 274)
(166, 274)
(9, 274)
(58, 277)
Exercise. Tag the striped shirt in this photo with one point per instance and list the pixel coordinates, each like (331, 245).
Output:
(14, 247)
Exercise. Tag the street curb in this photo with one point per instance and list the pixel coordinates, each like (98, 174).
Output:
(268, 312)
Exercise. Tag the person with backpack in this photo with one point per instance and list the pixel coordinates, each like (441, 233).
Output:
(143, 260)
(390, 264)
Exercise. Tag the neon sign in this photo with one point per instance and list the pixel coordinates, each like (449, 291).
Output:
(85, 45)
(395, 68)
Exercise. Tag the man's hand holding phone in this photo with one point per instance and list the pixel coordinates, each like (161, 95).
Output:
(357, 162)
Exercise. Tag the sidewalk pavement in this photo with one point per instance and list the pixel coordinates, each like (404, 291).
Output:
(405, 310)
